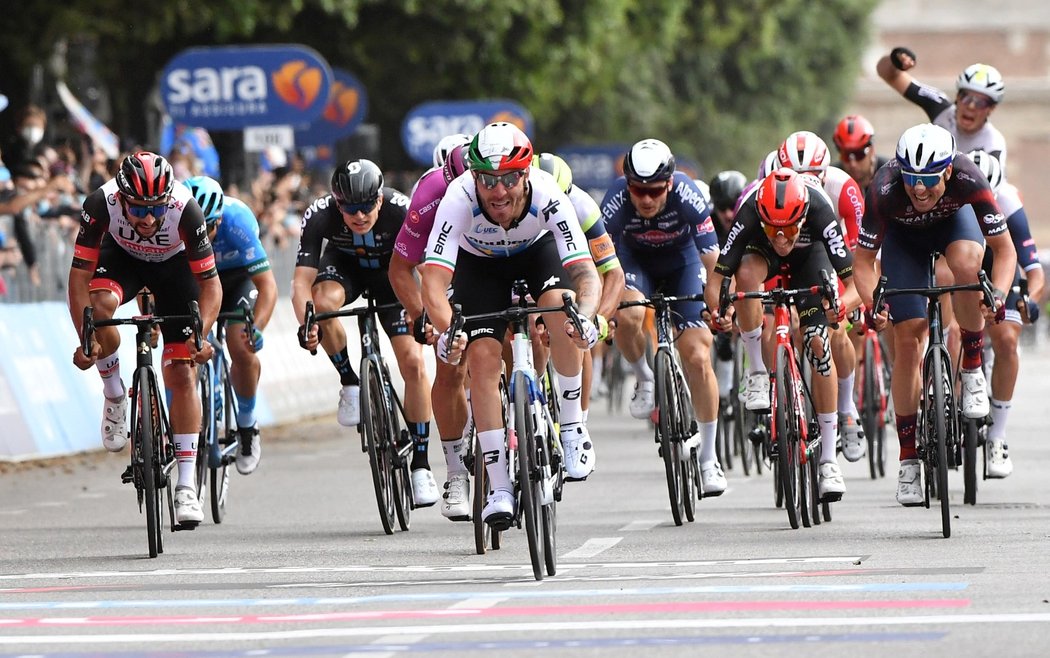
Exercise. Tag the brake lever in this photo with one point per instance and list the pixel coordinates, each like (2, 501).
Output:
(308, 323)
(197, 324)
(87, 330)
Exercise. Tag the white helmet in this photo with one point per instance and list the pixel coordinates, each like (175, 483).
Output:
(983, 79)
(769, 164)
(806, 153)
(447, 144)
(925, 149)
(989, 166)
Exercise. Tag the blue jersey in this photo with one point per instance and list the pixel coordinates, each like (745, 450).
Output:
(236, 244)
(685, 220)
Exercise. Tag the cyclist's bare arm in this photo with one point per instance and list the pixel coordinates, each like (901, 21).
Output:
(1005, 263)
(436, 280)
(302, 290)
(613, 284)
(865, 274)
(584, 277)
(403, 280)
(266, 284)
(899, 79)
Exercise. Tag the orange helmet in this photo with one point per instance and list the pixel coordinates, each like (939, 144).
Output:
(853, 133)
(783, 198)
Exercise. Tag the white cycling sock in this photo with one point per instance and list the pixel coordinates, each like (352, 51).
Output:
(570, 409)
(642, 371)
(829, 430)
(724, 375)
(753, 345)
(585, 414)
(469, 426)
(708, 431)
(847, 404)
(109, 368)
(186, 454)
(1000, 412)
(454, 451)
(495, 459)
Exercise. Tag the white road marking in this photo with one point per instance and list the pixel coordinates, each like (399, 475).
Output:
(534, 627)
(399, 645)
(592, 547)
(51, 503)
(477, 603)
(640, 526)
(12, 512)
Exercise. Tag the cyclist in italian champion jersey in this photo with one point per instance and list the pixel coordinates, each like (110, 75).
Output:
(448, 396)
(360, 221)
(777, 232)
(855, 140)
(807, 154)
(979, 90)
(142, 229)
(1006, 334)
(504, 222)
(931, 198)
(661, 226)
(247, 280)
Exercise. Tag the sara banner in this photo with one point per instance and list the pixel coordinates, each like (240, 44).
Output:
(594, 167)
(347, 107)
(229, 88)
(103, 137)
(427, 123)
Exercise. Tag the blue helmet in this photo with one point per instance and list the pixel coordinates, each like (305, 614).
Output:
(209, 196)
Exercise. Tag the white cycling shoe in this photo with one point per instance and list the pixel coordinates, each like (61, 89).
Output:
(644, 400)
(456, 504)
(578, 450)
(187, 507)
(830, 484)
(756, 392)
(499, 510)
(115, 423)
(424, 488)
(712, 479)
(974, 394)
(909, 484)
(349, 413)
(998, 458)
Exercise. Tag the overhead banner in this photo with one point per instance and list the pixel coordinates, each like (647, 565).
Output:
(346, 109)
(426, 124)
(234, 87)
(594, 167)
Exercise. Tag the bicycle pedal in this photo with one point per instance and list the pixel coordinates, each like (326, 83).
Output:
(831, 497)
(500, 522)
(128, 476)
(715, 494)
(465, 517)
(569, 479)
(185, 526)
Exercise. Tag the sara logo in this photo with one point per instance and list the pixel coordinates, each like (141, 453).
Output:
(425, 125)
(342, 103)
(230, 88)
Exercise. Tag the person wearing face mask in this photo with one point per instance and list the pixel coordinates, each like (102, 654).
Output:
(32, 123)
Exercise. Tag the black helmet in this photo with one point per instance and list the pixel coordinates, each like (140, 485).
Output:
(357, 181)
(726, 188)
(648, 161)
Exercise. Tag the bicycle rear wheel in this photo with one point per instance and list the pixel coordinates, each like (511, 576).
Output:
(148, 415)
(787, 437)
(940, 388)
(375, 428)
(870, 406)
(667, 432)
(530, 494)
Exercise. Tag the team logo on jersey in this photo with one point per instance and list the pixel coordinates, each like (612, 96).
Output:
(834, 241)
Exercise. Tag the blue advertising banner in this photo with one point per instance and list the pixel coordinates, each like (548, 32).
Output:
(233, 87)
(426, 124)
(594, 167)
(347, 107)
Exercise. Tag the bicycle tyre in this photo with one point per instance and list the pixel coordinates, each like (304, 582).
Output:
(940, 429)
(666, 428)
(375, 426)
(724, 443)
(787, 431)
(870, 406)
(400, 473)
(529, 494)
(207, 432)
(478, 493)
(549, 510)
(220, 474)
(970, 436)
(144, 439)
(814, 491)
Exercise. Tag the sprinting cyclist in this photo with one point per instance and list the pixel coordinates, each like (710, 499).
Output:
(661, 226)
(247, 280)
(360, 220)
(726, 188)
(144, 229)
(928, 199)
(855, 140)
(503, 222)
(777, 231)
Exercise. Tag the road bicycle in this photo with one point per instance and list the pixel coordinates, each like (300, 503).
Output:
(152, 454)
(219, 440)
(937, 434)
(534, 454)
(794, 434)
(383, 428)
(675, 419)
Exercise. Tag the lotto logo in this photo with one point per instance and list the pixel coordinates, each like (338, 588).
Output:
(342, 104)
(298, 84)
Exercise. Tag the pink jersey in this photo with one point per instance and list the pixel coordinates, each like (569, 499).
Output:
(411, 243)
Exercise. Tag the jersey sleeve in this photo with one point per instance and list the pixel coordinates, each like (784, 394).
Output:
(826, 223)
(247, 241)
(311, 233)
(744, 229)
(697, 209)
(973, 188)
(1024, 244)
(560, 218)
(613, 209)
(452, 218)
(851, 210)
(94, 222)
(598, 240)
(194, 233)
(873, 225)
(931, 99)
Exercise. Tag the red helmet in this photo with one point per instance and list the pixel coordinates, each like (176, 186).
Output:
(853, 133)
(145, 176)
(783, 198)
(803, 151)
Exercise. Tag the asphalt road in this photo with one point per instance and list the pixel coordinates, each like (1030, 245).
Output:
(301, 566)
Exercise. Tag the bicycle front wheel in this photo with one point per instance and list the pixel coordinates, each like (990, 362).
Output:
(971, 439)
(788, 434)
(667, 429)
(207, 434)
(226, 428)
(148, 416)
(375, 429)
(530, 493)
(939, 388)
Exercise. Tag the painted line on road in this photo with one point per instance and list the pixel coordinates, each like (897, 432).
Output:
(12, 512)
(478, 599)
(618, 625)
(640, 526)
(240, 571)
(592, 547)
(562, 611)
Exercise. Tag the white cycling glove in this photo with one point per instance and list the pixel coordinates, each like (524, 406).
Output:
(444, 347)
(590, 332)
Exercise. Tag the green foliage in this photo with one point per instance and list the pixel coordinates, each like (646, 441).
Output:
(722, 81)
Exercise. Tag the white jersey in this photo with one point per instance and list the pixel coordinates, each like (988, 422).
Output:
(460, 224)
(988, 138)
(162, 245)
(1009, 199)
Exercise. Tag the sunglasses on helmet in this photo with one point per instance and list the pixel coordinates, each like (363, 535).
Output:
(927, 180)
(354, 208)
(509, 179)
(977, 101)
(651, 192)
